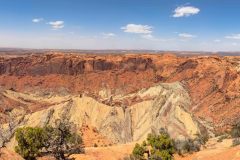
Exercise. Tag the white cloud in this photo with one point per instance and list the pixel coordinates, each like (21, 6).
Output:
(108, 35)
(186, 35)
(185, 11)
(150, 37)
(217, 40)
(233, 36)
(155, 39)
(137, 28)
(57, 25)
(37, 20)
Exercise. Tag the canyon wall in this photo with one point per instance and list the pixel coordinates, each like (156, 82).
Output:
(127, 95)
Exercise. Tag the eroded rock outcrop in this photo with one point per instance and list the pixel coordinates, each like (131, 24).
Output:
(161, 106)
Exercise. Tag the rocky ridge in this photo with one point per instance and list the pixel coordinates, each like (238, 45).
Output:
(161, 106)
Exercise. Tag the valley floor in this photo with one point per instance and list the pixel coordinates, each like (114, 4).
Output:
(213, 151)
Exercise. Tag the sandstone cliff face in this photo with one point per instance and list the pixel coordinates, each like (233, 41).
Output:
(160, 106)
(70, 64)
(116, 83)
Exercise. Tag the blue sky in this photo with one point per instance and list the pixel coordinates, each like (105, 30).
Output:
(197, 25)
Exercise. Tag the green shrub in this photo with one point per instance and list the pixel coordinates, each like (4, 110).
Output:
(138, 151)
(202, 138)
(161, 147)
(60, 141)
(235, 132)
(187, 146)
(236, 142)
(30, 142)
(160, 155)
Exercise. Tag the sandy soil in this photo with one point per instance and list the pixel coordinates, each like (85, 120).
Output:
(9, 155)
(214, 151)
(106, 153)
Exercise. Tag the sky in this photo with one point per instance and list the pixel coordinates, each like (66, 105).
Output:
(176, 25)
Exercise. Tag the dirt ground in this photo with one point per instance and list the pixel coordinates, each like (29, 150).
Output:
(213, 151)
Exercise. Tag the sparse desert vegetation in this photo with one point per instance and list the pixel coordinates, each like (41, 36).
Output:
(155, 147)
(235, 133)
(58, 141)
